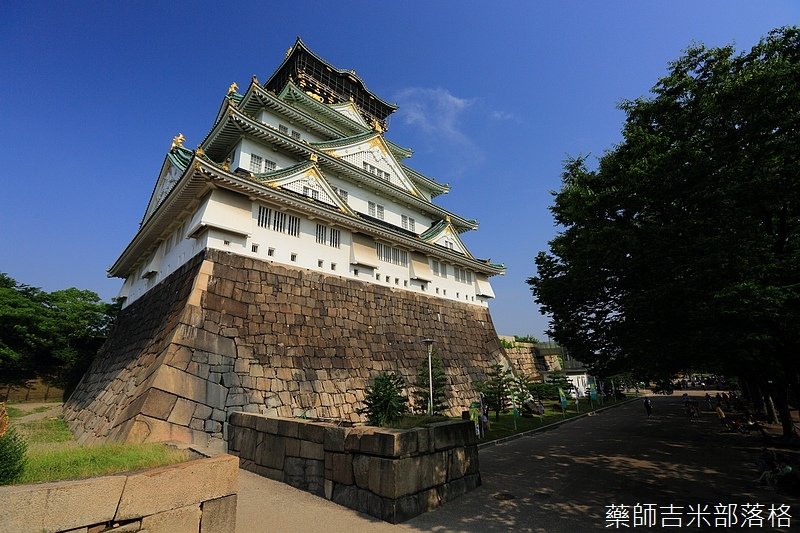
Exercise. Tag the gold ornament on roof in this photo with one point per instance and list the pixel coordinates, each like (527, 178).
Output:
(313, 158)
(289, 51)
(377, 126)
(447, 218)
(226, 165)
(232, 88)
(177, 141)
(199, 152)
(315, 96)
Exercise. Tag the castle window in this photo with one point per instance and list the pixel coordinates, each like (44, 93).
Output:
(282, 128)
(408, 222)
(320, 263)
(271, 252)
(322, 233)
(375, 210)
(439, 269)
(336, 238)
(295, 134)
(294, 226)
(343, 195)
(392, 255)
(333, 266)
(255, 163)
(355, 272)
(293, 257)
(226, 243)
(269, 166)
(254, 248)
(264, 216)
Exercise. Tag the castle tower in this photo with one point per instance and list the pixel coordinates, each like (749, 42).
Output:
(282, 264)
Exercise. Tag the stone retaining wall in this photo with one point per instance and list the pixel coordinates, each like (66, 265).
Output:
(391, 474)
(227, 333)
(195, 496)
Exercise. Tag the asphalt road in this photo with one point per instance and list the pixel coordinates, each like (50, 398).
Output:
(565, 479)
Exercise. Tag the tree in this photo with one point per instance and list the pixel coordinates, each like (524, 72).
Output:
(497, 388)
(422, 390)
(682, 248)
(384, 402)
(53, 336)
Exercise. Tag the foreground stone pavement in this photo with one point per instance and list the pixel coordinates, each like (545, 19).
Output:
(562, 480)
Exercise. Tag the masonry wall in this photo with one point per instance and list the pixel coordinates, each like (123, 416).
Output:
(391, 474)
(227, 333)
(196, 496)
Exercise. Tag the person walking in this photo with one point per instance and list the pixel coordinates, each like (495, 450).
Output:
(648, 406)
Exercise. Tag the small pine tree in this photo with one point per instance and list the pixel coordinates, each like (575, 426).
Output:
(384, 402)
(422, 390)
(497, 388)
(12, 451)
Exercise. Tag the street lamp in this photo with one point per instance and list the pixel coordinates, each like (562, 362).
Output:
(429, 343)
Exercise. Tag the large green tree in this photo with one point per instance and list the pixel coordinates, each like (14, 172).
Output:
(54, 335)
(681, 249)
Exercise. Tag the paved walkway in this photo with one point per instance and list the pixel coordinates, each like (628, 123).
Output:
(559, 480)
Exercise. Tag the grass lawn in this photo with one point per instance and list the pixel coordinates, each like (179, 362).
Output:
(504, 427)
(54, 455)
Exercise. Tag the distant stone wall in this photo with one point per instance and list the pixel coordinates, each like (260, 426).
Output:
(33, 390)
(227, 333)
(523, 359)
(198, 495)
(391, 474)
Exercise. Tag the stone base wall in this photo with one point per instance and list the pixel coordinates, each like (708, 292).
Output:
(227, 333)
(523, 359)
(393, 475)
(195, 496)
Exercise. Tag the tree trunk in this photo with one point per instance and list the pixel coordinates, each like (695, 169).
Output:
(772, 416)
(782, 403)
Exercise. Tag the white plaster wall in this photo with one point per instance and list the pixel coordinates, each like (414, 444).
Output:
(224, 209)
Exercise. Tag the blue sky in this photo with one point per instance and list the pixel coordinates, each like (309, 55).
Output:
(493, 97)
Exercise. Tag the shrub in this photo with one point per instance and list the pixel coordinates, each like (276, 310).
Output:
(12, 451)
(497, 388)
(384, 402)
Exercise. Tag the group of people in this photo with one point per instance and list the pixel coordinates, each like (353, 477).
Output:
(775, 470)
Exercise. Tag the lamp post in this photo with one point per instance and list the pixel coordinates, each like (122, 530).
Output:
(429, 343)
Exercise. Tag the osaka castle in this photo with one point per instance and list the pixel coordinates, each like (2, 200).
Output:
(283, 263)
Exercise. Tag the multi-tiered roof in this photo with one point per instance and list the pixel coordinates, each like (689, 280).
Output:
(341, 118)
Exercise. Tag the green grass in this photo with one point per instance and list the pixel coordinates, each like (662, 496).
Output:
(416, 421)
(54, 455)
(56, 464)
(504, 427)
(13, 412)
(45, 431)
(16, 412)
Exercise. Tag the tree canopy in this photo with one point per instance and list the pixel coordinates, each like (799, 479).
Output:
(53, 335)
(681, 249)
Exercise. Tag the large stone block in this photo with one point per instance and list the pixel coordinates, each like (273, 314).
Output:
(448, 435)
(219, 516)
(182, 520)
(59, 506)
(178, 486)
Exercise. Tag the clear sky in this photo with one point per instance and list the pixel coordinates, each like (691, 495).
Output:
(493, 97)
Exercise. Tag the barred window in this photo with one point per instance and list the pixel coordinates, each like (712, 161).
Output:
(392, 255)
(282, 128)
(371, 209)
(439, 269)
(294, 226)
(380, 211)
(295, 134)
(322, 233)
(408, 222)
(269, 166)
(279, 222)
(343, 195)
(255, 163)
(264, 216)
(336, 238)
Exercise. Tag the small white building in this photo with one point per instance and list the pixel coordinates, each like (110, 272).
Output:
(298, 171)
